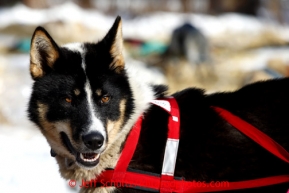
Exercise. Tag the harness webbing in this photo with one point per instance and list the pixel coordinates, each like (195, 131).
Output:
(166, 182)
(255, 134)
(172, 145)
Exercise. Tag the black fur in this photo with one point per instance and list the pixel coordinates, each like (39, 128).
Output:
(53, 88)
(210, 149)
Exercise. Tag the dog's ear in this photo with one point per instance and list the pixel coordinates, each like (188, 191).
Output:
(115, 43)
(43, 53)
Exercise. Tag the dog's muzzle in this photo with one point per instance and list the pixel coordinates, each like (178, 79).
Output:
(87, 159)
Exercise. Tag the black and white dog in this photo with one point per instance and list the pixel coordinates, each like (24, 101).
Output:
(85, 101)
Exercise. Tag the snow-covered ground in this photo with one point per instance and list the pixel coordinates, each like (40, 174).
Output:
(147, 27)
(25, 163)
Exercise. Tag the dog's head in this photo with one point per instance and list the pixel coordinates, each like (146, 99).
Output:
(81, 96)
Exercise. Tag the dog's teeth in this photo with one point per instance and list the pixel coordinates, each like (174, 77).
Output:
(81, 156)
(89, 160)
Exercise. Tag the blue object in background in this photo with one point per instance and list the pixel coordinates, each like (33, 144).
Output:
(153, 47)
(23, 45)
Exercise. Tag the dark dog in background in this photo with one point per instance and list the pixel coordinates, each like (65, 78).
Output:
(85, 101)
(189, 42)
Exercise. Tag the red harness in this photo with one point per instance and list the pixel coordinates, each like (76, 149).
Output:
(121, 177)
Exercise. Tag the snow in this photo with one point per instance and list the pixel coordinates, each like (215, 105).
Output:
(261, 57)
(258, 59)
(26, 165)
(147, 27)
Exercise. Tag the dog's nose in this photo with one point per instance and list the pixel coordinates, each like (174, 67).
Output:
(93, 140)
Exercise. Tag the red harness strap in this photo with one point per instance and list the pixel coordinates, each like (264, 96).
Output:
(255, 134)
(167, 183)
(171, 150)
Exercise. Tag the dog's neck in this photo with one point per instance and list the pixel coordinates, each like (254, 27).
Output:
(143, 94)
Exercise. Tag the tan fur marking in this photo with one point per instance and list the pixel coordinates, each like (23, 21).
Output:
(107, 159)
(116, 51)
(76, 92)
(35, 70)
(50, 132)
(98, 190)
(51, 51)
(41, 41)
(113, 127)
(35, 66)
(98, 92)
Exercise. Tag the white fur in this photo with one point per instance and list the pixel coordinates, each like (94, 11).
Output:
(96, 124)
(74, 47)
(142, 92)
(149, 74)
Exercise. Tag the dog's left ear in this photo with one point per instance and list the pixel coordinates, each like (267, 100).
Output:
(43, 53)
(115, 42)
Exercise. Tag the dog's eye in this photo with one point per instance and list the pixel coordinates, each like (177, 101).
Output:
(105, 99)
(68, 99)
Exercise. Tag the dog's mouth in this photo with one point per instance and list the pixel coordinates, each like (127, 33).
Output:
(83, 159)
(87, 159)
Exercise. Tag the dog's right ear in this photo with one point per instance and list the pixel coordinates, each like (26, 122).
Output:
(114, 41)
(43, 53)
